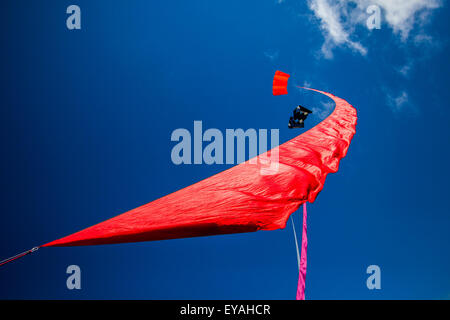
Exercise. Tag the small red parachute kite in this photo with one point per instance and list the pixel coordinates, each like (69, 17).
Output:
(280, 81)
(239, 199)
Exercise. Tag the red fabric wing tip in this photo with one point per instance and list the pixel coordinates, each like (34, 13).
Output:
(281, 73)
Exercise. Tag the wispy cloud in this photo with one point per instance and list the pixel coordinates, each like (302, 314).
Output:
(324, 111)
(403, 15)
(339, 19)
(306, 84)
(343, 24)
(335, 32)
(406, 69)
(272, 54)
(399, 102)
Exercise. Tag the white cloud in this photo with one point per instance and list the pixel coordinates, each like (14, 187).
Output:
(272, 54)
(406, 69)
(307, 84)
(423, 38)
(323, 112)
(402, 15)
(343, 24)
(329, 14)
(398, 103)
(339, 19)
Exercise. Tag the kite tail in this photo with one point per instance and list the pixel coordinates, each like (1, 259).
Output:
(17, 256)
(303, 260)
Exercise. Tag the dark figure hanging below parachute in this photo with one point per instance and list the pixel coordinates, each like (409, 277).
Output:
(300, 115)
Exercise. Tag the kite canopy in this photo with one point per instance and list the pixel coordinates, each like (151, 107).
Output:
(239, 199)
(280, 81)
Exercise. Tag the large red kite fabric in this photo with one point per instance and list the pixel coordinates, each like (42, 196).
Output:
(240, 199)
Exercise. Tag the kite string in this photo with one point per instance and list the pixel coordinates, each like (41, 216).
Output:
(17, 256)
(296, 243)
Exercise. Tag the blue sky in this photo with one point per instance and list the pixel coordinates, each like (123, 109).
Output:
(85, 133)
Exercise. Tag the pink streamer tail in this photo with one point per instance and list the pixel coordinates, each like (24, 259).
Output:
(303, 259)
